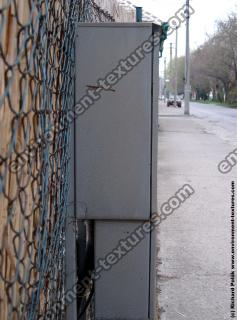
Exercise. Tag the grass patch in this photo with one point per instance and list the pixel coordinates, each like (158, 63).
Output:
(217, 103)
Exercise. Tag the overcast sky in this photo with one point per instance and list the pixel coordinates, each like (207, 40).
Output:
(201, 23)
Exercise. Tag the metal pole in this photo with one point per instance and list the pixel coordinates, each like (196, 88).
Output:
(187, 89)
(164, 79)
(171, 62)
(138, 14)
(176, 69)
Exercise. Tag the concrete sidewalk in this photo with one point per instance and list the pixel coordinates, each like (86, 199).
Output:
(194, 242)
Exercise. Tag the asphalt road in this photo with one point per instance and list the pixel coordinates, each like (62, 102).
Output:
(222, 121)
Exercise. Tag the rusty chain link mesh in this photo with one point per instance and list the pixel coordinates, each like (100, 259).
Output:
(36, 92)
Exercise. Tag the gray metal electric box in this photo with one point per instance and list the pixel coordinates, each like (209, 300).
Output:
(117, 76)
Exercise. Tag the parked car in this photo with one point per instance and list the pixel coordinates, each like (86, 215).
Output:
(170, 102)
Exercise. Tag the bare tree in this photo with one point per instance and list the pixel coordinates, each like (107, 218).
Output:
(214, 64)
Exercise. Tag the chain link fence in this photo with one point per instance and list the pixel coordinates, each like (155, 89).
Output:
(36, 93)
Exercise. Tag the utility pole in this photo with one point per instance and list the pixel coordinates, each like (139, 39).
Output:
(164, 79)
(171, 63)
(176, 69)
(187, 89)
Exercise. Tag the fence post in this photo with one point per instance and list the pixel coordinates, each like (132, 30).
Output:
(138, 14)
(71, 265)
